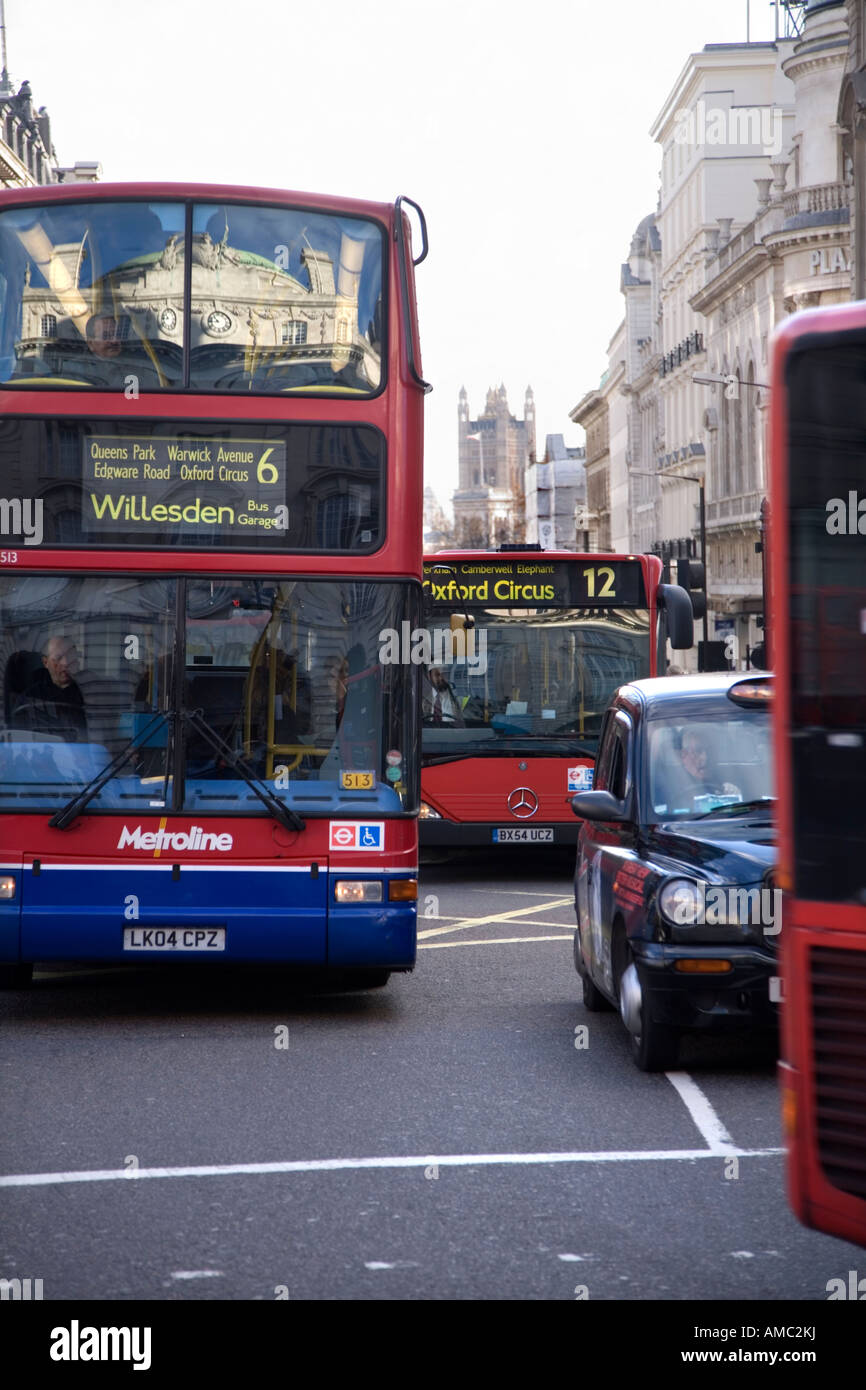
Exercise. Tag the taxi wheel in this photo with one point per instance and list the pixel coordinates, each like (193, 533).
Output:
(655, 1047)
(593, 999)
(18, 976)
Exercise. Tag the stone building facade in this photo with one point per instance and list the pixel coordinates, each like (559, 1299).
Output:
(494, 450)
(722, 132)
(555, 489)
(27, 156)
(592, 521)
(752, 224)
(851, 118)
(794, 253)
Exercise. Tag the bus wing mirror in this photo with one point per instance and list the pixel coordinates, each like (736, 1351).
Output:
(677, 607)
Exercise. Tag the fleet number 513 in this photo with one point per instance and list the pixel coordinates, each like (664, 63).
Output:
(8, 557)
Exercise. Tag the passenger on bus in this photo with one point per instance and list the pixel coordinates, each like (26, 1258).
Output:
(53, 702)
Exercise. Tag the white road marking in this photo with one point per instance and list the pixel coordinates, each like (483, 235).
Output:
(704, 1116)
(463, 925)
(378, 1264)
(330, 1165)
(197, 1274)
(506, 892)
(469, 922)
(487, 941)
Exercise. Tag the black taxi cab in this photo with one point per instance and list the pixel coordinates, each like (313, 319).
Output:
(678, 915)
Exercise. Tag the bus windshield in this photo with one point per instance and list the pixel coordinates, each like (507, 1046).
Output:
(539, 677)
(186, 676)
(277, 299)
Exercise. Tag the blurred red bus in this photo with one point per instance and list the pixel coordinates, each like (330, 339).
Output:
(818, 523)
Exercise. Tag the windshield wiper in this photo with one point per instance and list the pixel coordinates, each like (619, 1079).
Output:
(738, 808)
(280, 812)
(66, 815)
(278, 809)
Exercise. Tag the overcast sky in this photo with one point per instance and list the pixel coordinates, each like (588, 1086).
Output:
(521, 129)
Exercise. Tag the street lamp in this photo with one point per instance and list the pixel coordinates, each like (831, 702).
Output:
(702, 521)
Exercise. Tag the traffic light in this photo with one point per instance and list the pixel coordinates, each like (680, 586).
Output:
(690, 576)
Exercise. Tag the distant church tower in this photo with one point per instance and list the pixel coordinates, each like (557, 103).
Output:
(493, 452)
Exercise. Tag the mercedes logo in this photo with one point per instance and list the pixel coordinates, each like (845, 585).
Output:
(522, 803)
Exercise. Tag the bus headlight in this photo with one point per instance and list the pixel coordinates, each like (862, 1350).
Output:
(426, 812)
(357, 890)
(7, 886)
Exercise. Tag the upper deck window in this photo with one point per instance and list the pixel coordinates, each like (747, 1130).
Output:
(222, 297)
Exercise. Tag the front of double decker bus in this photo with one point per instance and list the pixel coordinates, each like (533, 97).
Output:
(525, 649)
(211, 484)
(818, 555)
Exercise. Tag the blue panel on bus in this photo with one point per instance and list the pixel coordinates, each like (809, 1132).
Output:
(366, 935)
(273, 914)
(82, 913)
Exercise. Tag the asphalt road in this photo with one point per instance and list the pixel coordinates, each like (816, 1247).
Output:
(177, 1134)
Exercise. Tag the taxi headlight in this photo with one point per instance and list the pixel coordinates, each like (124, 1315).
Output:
(681, 901)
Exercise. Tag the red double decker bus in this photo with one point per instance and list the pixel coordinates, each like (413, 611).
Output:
(525, 649)
(210, 505)
(818, 520)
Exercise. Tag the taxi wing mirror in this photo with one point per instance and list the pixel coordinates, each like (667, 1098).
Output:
(598, 805)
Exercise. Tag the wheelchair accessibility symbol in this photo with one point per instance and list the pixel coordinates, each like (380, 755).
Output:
(369, 835)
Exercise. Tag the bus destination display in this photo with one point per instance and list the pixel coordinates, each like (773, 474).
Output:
(147, 484)
(592, 582)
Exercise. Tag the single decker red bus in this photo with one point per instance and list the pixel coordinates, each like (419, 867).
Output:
(525, 649)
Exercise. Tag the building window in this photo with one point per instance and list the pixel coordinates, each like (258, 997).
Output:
(750, 406)
(48, 327)
(738, 462)
(295, 333)
(726, 442)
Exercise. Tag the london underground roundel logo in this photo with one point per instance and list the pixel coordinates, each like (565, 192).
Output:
(364, 834)
(522, 803)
